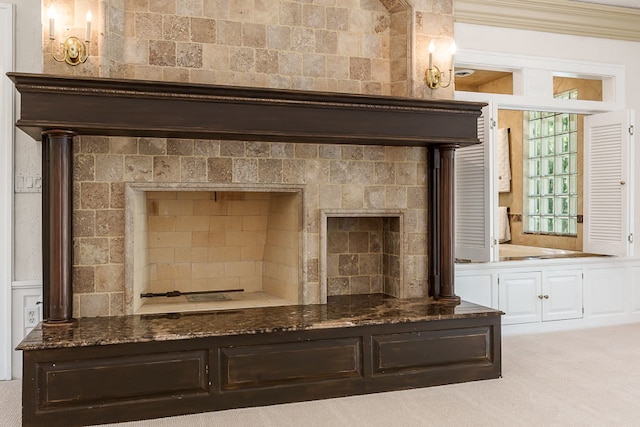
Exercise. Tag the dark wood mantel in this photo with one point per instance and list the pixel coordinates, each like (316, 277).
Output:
(100, 106)
(55, 108)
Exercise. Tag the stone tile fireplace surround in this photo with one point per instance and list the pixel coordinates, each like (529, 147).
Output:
(345, 153)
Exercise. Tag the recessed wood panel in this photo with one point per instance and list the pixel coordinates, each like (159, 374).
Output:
(424, 350)
(287, 363)
(83, 382)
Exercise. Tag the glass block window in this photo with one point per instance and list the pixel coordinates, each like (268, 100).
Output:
(551, 171)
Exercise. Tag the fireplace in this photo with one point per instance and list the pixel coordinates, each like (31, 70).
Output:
(350, 197)
(344, 155)
(363, 252)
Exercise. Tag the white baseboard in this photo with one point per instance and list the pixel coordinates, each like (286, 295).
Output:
(23, 294)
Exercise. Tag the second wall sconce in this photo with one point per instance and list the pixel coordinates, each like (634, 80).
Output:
(73, 51)
(433, 77)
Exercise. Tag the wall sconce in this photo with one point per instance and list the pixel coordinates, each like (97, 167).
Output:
(73, 51)
(433, 77)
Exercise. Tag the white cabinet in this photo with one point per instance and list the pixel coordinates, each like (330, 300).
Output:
(519, 293)
(480, 288)
(608, 291)
(534, 296)
(562, 295)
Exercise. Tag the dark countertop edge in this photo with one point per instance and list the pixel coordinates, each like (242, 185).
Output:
(35, 341)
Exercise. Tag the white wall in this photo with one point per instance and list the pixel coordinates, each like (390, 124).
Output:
(6, 189)
(548, 45)
(28, 153)
(27, 252)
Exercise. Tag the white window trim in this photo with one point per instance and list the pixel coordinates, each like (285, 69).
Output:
(533, 82)
(533, 85)
(6, 185)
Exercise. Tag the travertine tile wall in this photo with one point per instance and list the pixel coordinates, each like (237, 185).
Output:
(281, 272)
(355, 46)
(332, 46)
(333, 176)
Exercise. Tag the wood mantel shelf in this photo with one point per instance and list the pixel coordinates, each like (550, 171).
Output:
(112, 107)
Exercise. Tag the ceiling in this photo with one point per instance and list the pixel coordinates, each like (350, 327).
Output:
(623, 3)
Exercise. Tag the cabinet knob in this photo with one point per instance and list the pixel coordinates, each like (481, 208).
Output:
(546, 297)
(540, 296)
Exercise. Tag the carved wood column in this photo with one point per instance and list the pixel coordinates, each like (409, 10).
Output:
(57, 235)
(442, 223)
(446, 210)
(433, 190)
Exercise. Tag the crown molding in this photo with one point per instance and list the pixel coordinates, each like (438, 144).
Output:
(554, 16)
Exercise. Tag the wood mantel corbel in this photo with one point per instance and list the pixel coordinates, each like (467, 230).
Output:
(55, 108)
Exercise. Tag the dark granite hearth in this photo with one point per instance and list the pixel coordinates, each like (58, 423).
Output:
(109, 369)
(339, 312)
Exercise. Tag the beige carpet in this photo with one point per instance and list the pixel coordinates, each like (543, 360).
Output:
(581, 378)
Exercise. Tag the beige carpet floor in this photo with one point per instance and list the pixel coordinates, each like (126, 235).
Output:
(588, 377)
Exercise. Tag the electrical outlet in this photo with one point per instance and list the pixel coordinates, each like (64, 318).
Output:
(31, 317)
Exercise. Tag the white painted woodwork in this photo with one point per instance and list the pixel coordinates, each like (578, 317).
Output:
(555, 16)
(6, 184)
(607, 183)
(634, 280)
(474, 195)
(564, 291)
(519, 297)
(479, 289)
(25, 294)
(607, 291)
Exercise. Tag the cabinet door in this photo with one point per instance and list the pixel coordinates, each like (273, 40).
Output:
(519, 297)
(478, 288)
(562, 295)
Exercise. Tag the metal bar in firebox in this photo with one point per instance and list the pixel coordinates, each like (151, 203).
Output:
(180, 293)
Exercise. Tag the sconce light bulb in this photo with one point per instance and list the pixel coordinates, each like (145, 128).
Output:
(453, 48)
(87, 34)
(52, 23)
(432, 47)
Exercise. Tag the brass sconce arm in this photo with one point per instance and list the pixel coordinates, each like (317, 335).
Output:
(73, 51)
(434, 78)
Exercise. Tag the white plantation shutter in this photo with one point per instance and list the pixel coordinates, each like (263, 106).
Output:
(607, 183)
(473, 199)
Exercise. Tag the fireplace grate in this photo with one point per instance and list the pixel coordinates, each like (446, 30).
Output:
(207, 297)
(177, 293)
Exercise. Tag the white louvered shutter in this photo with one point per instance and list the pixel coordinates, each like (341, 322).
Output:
(473, 226)
(607, 183)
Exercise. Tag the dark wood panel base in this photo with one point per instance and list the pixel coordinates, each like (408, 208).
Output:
(121, 382)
